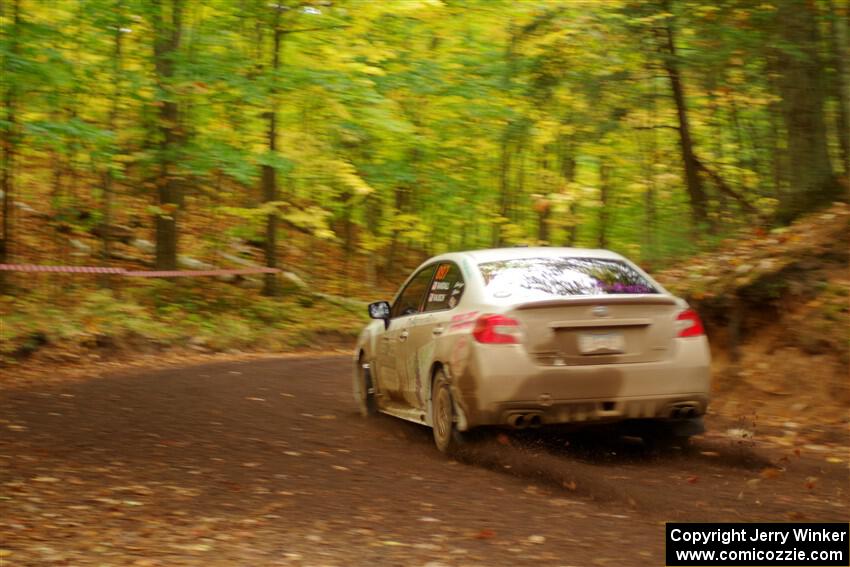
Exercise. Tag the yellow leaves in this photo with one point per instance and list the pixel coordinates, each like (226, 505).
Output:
(419, 7)
(547, 131)
(312, 218)
(46, 479)
(348, 175)
(708, 12)
(367, 69)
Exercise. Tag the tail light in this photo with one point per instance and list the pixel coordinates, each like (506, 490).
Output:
(496, 329)
(688, 324)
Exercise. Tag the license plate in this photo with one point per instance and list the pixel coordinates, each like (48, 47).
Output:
(598, 343)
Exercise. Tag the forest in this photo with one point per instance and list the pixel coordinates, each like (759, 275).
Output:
(346, 140)
(199, 198)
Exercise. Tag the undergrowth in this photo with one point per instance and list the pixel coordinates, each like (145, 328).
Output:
(203, 315)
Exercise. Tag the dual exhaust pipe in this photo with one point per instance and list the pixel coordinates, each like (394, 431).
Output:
(523, 420)
(684, 412)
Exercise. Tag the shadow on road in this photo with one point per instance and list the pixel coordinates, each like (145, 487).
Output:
(600, 464)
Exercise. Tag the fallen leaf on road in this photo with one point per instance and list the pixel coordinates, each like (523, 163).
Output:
(537, 539)
(46, 479)
(693, 479)
(254, 399)
(485, 534)
(200, 547)
(770, 472)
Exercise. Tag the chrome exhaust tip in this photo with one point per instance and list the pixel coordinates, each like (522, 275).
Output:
(517, 421)
(534, 420)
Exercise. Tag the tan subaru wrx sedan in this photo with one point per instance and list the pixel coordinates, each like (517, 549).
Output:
(530, 337)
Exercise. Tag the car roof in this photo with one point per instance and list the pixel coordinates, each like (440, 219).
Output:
(520, 252)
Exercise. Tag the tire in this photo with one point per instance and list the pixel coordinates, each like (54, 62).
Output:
(446, 436)
(364, 389)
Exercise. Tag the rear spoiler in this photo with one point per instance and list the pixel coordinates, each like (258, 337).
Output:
(647, 299)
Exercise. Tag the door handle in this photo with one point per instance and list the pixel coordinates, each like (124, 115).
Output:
(403, 336)
(437, 331)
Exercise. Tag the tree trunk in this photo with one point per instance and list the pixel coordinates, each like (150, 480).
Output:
(803, 93)
(696, 192)
(604, 195)
(507, 136)
(269, 178)
(10, 140)
(840, 56)
(401, 194)
(166, 47)
(543, 208)
(112, 127)
(516, 208)
(504, 186)
(650, 220)
(567, 164)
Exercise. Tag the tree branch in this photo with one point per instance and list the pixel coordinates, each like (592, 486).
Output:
(300, 30)
(655, 127)
(721, 184)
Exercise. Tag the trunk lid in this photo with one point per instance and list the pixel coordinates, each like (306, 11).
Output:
(598, 330)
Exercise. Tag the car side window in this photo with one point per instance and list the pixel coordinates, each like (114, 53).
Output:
(446, 288)
(410, 299)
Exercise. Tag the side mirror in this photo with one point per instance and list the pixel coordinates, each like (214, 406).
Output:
(380, 310)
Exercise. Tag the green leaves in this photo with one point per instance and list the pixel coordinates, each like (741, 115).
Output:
(399, 121)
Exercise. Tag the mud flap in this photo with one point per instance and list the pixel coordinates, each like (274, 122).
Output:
(461, 422)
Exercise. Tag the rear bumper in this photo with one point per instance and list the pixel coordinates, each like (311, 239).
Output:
(500, 381)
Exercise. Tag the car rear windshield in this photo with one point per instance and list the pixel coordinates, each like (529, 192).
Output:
(532, 279)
